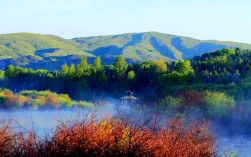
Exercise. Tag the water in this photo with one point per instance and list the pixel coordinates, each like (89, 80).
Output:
(42, 121)
(239, 146)
(45, 121)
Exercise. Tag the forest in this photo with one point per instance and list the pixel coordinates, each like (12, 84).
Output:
(225, 70)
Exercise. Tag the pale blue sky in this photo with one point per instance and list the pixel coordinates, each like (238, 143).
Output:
(204, 19)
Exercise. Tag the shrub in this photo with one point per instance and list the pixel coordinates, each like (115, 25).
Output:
(2, 98)
(36, 99)
(116, 137)
(45, 93)
(53, 100)
(218, 103)
(170, 102)
(20, 100)
(83, 104)
(39, 101)
(65, 100)
(6, 138)
(112, 137)
(11, 99)
(193, 99)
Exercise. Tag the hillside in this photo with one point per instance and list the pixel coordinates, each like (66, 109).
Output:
(152, 45)
(50, 52)
(24, 44)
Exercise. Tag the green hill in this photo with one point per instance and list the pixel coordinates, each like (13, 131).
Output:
(152, 45)
(49, 52)
(24, 44)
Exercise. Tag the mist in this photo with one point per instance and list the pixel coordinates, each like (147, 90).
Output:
(232, 137)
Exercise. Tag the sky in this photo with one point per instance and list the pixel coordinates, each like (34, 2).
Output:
(227, 20)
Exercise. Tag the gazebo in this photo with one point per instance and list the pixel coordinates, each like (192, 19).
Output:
(128, 99)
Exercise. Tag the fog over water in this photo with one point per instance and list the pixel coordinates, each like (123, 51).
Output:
(45, 122)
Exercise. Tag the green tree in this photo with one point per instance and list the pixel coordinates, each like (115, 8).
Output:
(130, 75)
(160, 66)
(65, 70)
(120, 67)
(227, 51)
(72, 71)
(1, 75)
(185, 67)
(181, 75)
(11, 72)
(83, 69)
(97, 66)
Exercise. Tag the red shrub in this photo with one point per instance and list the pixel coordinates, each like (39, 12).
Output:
(112, 137)
(6, 139)
(115, 137)
(52, 99)
(193, 98)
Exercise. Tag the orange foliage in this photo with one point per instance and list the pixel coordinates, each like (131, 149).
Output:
(6, 139)
(11, 98)
(52, 99)
(177, 141)
(112, 137)
(21, 100)
(41, 99)
(118, 137)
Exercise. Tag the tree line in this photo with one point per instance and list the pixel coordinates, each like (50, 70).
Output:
(148, 78)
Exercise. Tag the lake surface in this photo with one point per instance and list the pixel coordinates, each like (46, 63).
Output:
(45, 121)
(240, 146)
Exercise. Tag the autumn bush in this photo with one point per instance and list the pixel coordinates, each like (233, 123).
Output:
(212, 103)
(38, 99)
(6, 138)
(114, 137)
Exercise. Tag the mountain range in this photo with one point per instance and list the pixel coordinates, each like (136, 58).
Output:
(50, 52)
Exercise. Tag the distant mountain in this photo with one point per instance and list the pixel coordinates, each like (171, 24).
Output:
(50, 52)
(152, 45)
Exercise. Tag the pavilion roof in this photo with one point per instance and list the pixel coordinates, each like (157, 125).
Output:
(128, 98)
